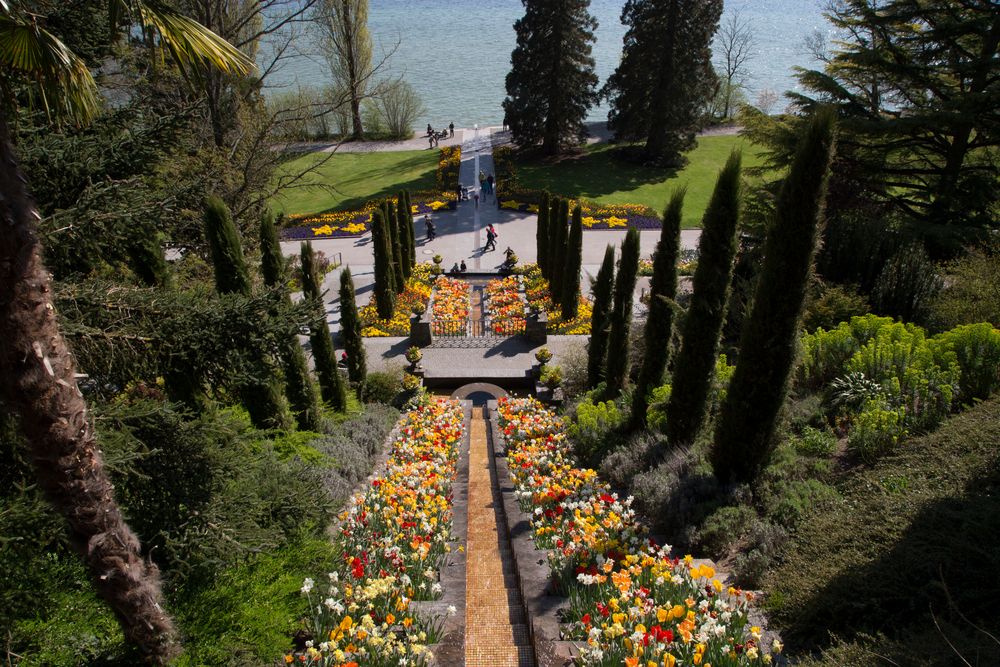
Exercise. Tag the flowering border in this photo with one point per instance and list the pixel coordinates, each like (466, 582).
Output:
(416, 293)
(451, 305)
(504, 305)
(596, 217)
(629, 600)
(536, 289)
(394, 538)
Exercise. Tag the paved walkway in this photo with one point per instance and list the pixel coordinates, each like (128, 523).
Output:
(496, 630)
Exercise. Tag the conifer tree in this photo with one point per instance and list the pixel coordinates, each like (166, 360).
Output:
(395, 248)
(408, 207)
(261, 396)
(621, 315)
(571, 273)
(405, 225)
(695, 362)
(558, 253)
(745, 430)
(551, 231)
(600, 319)
(299, 387)
(385, 281)
(148, 261)
(542, 233)
(665, 75)
(552, 83)
(660, 321)
(350, 329)
(331, 385)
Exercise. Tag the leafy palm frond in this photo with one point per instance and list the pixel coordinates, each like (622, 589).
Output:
(63, 82)
(188, 41)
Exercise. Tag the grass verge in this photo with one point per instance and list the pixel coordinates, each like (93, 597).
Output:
(356, 178)
(600, 176)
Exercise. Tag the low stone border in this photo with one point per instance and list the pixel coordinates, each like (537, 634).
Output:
(542, 606)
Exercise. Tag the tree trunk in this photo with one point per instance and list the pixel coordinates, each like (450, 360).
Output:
(352, 72)
(37, 381)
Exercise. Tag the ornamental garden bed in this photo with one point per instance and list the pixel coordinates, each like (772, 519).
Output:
(536, 289)
(394, 539)
(504, 306)
(415, 295)
(451, 304)
(626, 600)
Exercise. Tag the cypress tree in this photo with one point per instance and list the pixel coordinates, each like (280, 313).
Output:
(552, 83)
(621, 314)
(665, 75)
(574, 259)
(550, 230)
(745, 430)
(409, 229)
(299, 387)
(148, 261)
(261, 396)
(395, 249)
(558, 256)
(403, 221)
(602, 289)
(542, 234)
(331, 385)
(600, 319)
(695, 362)
(350, 329)
(231, 273)
(660, 322)
(385, 281)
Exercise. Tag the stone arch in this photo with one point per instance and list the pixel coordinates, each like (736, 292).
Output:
(478, 392)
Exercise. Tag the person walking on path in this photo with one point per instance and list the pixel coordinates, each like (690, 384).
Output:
(451, 130)
(476, 197)
(430, 141)
(489, 181)
(491, 239)
(482, 180)
(430, 227)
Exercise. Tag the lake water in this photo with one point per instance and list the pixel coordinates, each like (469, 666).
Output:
(456, 54)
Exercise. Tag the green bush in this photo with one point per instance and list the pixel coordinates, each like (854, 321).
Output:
(907, 286)
(765, 546)
(972, 290)
(876, 430)
(789, 501)
(814, 442)
(381, 387)
(656, 413)
(831, 305)
(976, 349)
(723, 528)
(592, 427)
(635, 455)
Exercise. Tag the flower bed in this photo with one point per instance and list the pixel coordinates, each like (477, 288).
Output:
(504, 305)
(357, 222)
(629, 600)
(536, 288)
(416, 293)
(451, 305)
(595, 216)
(393, 538)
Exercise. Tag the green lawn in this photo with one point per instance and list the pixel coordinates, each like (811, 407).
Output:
(599, 176)
(355, 178)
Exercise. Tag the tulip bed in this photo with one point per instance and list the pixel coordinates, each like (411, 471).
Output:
(595, 216)
(504, 305)
(338, 224)
(629, 600)
(451, 305)
(417, 292)
(536, 288)
(393, 539)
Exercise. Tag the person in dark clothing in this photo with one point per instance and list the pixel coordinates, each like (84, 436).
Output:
(451, 129)
(430, 130)
(491, 239)
(430, 227)
(463, 268)
(489, 181)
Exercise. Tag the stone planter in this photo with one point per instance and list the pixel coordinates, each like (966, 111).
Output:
(420, 330)
(535, 328)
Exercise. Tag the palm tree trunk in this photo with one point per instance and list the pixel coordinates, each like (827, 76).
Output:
(37, 381)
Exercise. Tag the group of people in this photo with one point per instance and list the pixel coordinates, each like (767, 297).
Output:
(433, 137)
(458, 269)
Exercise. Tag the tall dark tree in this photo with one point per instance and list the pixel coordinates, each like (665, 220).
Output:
(695, 362)
(148, 260)
(542, 233)
(331, 385)
(916, 88)
(571, 272)
(262, 396)
(298, 385)
(385, 281)
(557, 254)
(660, 321)
(745, 429)
(409, 228)
(600, 319)
(665, 75)
(552, 84)
(350, 329)
(550, 230)
(395, 247)
(404, 223)
(621, 314)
